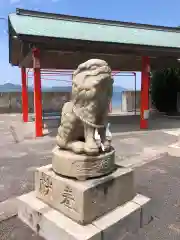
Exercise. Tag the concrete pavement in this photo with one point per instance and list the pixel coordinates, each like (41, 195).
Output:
(159, 180)
(157, 176)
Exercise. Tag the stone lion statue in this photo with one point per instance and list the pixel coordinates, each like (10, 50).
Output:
(86, 113)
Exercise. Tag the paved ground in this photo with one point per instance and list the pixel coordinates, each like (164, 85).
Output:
(159, 178)
(19, 160)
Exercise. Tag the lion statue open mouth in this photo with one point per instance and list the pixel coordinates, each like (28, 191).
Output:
(87, 111)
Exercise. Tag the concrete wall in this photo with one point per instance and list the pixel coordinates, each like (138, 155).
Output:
(52, 101)
(132, 100)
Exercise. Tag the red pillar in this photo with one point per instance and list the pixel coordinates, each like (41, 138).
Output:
(24, 95)
(37, 93)
(144, 92)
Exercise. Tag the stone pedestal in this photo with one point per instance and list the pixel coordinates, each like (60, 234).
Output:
(53, 225)
(101, 208)
(82, 167)
(84, 201)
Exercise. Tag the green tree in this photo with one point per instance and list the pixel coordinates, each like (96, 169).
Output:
(165, 85)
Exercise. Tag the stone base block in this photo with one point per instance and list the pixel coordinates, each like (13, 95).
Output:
(53, 225)
(146, 211)
(81, 166)
(84, 201)
(174, 149)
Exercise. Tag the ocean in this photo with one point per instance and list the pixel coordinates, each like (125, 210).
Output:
(116, 99)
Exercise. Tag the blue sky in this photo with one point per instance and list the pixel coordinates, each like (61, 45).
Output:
(159, 12)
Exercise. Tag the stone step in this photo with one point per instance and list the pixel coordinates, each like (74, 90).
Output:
(53, 225)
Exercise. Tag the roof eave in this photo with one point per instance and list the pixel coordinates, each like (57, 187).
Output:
(14, 40)
(31, 13)
(49, 44)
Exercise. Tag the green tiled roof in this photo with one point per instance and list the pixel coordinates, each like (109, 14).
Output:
(103, 32)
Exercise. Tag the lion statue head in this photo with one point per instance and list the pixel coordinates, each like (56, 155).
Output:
(92, 88)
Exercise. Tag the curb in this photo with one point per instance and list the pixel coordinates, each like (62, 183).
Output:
(174, 149)
(8, 209)
(143, 162)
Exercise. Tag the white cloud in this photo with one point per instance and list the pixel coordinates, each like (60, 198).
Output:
(15, 1)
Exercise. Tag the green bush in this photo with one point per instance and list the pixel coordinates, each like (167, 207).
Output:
(165, 85)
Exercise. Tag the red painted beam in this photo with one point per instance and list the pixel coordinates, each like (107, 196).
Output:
(55, 74)
(24, 95)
